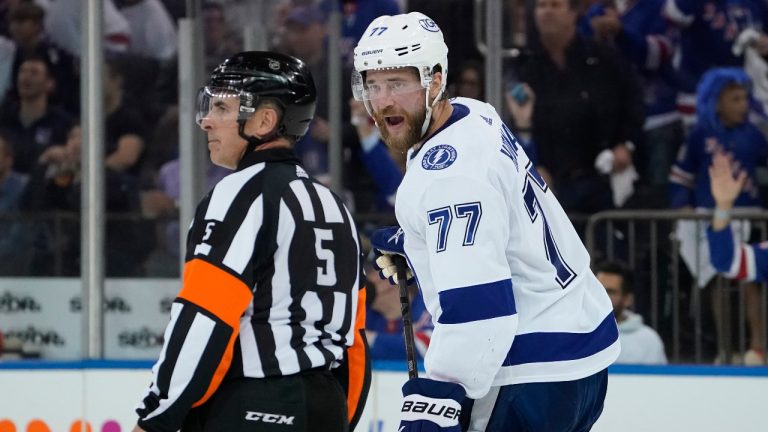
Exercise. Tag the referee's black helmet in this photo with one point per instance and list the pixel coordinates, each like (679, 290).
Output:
(257, 76)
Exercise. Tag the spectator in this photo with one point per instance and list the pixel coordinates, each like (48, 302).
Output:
(356, 15)
(55, 185)
(581, 101)
(5, 10)
(7, 54)
(163, 142)
(452, 14)
(153, 34)
(722, 127)
(637, 29)
(125, 128)
(471, 80)
(221, 40)
(14, 247)
(304, 37)
(64, 25)
(169, 184)
(384, 324)
(640, 344)
(28, 33)
(732, 257)
(32, 123)
(709, 29)
(729, 256)
(379, 162)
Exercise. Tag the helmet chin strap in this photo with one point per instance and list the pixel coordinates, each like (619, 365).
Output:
(429, 106)
(254, 142)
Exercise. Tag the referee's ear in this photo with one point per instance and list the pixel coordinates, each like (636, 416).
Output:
(263, 121)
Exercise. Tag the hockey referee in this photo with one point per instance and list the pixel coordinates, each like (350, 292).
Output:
(267, 331)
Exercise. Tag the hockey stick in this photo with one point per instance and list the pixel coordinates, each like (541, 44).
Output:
(405, 311)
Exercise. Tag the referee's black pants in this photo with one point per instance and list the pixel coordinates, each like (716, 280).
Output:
(312, 401)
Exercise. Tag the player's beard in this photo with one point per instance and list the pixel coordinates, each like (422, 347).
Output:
(412, 133)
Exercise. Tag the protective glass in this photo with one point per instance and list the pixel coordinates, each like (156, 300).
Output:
(371, 91)
(221, 104)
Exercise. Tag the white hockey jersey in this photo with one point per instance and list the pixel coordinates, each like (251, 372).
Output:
(501, 268)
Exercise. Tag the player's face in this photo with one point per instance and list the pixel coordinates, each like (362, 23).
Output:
(398, 105)
(220, 124)
(733, 106)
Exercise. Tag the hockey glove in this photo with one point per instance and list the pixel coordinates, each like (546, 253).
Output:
(386, 242)
(431, 406)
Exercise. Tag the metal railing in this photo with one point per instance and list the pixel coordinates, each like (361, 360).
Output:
(646, 241)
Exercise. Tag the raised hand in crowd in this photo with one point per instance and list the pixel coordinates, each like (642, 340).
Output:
(725, 187)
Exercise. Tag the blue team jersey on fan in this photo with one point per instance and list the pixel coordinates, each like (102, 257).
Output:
(648, 41)
(736, 259)
(689, 178)
(711, 28)
(500, 266)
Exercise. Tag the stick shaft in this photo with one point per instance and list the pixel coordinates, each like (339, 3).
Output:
(405, 311)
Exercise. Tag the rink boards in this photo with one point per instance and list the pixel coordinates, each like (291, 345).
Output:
(58, 395)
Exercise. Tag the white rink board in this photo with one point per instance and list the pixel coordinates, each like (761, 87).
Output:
(48, 312)
(642, 403)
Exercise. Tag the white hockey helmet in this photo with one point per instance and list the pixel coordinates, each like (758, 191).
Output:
(406, 40)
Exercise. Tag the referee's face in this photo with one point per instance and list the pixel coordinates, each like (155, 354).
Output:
(220, 124)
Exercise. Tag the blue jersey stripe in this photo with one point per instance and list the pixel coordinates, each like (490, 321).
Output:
(551, 347)
(477, 302)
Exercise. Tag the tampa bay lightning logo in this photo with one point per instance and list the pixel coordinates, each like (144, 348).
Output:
(429, 25)
(439, 157)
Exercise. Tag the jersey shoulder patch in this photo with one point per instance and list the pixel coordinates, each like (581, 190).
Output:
(439, 157)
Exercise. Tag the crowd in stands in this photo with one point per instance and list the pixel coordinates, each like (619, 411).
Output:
(622, 104)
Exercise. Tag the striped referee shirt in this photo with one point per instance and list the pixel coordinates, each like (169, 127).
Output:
(270, 287)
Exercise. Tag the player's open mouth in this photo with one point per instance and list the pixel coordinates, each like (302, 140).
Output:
(394, 120)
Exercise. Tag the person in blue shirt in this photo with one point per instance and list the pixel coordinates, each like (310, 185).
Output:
(729, 255)
(384, 169)
(723, 127)
(709, 29)
(384, 324)
(639, 31)
(733, 258)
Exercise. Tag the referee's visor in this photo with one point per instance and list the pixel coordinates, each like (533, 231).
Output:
(223, 104)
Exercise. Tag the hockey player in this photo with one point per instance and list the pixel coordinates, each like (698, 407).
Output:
(269, 304)
(523, 331)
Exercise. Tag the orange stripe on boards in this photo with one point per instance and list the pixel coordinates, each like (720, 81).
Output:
(216, 291)
(356, 359)
(37, 426)
(78, 427)
(7, 426)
